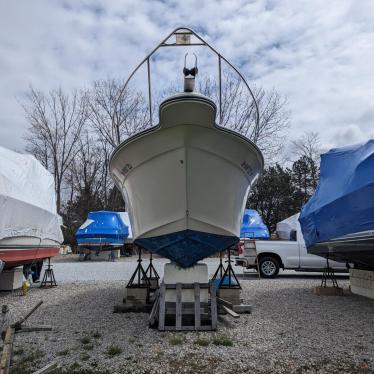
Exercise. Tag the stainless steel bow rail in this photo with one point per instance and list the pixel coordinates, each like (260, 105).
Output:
(183, 39)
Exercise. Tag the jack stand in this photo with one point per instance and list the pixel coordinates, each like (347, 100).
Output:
(328, 273)
(49, 279)
(228, 288)
(229, 272)
(221, 269)
(324, 289)
(152, 275)
(139, 285)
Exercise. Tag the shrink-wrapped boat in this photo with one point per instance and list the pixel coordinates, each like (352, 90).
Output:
(338, 221)
(29, 224)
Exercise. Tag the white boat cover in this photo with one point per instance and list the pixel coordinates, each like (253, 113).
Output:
(27, 198)
(285, 227)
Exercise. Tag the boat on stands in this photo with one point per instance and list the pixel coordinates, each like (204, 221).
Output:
(185, 181)
(338, 221)
(102, 231)
(29, 224)
(253, 226)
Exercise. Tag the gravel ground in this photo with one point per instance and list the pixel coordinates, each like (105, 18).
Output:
(69, 269)
(290, 331)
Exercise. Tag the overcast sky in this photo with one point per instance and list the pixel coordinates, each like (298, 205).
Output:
(320, 54)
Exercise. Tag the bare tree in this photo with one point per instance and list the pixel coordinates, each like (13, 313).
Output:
(238, 112)
(308, 151)
(116, 117)
(85, 171)
(55, 123)
(308, 145)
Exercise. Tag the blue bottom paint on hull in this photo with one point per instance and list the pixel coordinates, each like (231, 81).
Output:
(188, 246)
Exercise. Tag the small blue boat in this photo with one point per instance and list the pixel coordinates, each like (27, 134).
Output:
(253, 226)
(103, 230)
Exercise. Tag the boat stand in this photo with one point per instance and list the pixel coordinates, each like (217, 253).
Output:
(329, 274)
(184, 316)
(228, 286)
(324, 289)
(49, 279)
(152, 275)
(138, 286)
(220, 270)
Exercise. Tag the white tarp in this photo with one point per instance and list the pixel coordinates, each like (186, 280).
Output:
(285, 227)
(27, 198)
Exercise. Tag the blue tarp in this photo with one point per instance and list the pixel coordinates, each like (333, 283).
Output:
(253, 226)
(102, 230)
(344, 200)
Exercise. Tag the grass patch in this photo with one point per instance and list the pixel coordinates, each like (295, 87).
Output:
(33, 356)
(96, 335)
(28, 358)
(74, 366)
(18, 352)
(177, 340)
(85, 357)
(88, 347)
(223, 340)
(65, 352)
(202, 342)
(20, 368)
(114, 350)
(86, 340)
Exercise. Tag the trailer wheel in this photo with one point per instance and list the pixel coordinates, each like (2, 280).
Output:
(269, 267)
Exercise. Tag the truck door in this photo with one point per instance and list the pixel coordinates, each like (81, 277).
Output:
(309, 261)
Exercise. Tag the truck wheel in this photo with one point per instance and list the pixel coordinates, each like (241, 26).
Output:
(269, 267)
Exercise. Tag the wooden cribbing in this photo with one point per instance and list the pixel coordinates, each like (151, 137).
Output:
(197, 306)
(161, 319)
(6, 354)
(153, 316)
(178, 307)
(47, 369)
(230, 311)
(213, 305)
(34, 328)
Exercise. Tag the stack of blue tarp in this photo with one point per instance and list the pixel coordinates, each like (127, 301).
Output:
(344, 200)
(253, 226)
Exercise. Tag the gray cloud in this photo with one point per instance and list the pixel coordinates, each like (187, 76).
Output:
(319, 54)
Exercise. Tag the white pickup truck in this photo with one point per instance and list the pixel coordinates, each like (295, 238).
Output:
(268, 256)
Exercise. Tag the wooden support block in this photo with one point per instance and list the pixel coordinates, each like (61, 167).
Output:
(213, 306)
(328, 291)
(242, 308)
(34, 328)
(161, 318)
(6, 354)
(154, 311)
(197, 306)
(224, 302)
(230, 311)
(47, 369)
(178, 307)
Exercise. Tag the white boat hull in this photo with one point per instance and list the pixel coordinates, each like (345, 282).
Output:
(186, 174)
